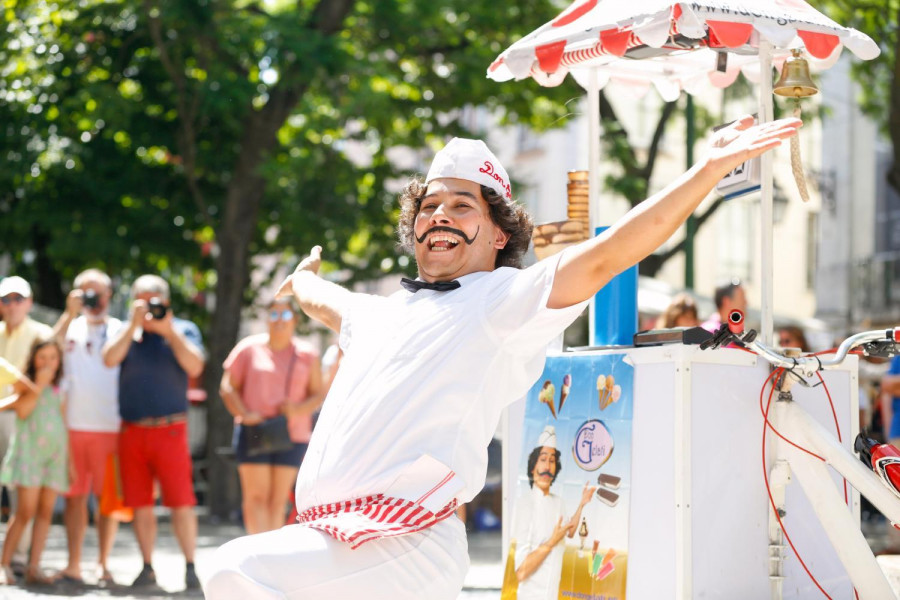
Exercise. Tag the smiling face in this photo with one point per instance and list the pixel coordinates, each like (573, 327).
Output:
(47, 356)
(544, 471)
(454, 233)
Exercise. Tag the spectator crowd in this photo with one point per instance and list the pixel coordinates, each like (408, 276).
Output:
(95, 409)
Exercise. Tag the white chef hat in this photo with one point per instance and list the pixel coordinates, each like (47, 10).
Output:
(547, 437)
(470, 160)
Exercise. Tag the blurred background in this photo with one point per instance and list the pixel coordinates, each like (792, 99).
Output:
(213, 142)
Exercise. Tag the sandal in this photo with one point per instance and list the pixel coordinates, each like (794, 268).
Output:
(36, 577)
(7, 577)
(68, 580)
(105, 578)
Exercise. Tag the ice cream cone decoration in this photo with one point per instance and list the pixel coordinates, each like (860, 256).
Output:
(547, 395)
(607, 391)
(564, 392)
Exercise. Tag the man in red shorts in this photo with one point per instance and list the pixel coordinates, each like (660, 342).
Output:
(157, 354)
(92, 412)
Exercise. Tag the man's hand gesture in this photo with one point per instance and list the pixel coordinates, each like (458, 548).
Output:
(310, 263)
(742, 140)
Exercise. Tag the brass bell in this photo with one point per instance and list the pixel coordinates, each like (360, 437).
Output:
(795, 81)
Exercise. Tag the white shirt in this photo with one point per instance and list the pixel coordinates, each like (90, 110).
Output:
(93, 401)
(427, 375)
(536, 516)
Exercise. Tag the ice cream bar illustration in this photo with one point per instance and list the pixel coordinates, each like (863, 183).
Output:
(547, 396)
(564, 393)
(607, 496)
(609, 481)
(604, 571)
(598, 563)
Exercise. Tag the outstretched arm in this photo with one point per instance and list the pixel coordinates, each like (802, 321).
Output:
(587, 267)
(319, 299)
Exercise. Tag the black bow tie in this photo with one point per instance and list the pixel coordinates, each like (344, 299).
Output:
(414, 285)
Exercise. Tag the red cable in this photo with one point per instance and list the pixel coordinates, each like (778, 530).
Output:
(778, 371)
(766, 424)
(837, 427)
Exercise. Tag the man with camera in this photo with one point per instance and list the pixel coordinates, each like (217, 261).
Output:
(157, 354)
(92, 412)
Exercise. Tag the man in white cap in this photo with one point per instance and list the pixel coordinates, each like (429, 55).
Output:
(18, 332)
(402, 437)
(539, 525)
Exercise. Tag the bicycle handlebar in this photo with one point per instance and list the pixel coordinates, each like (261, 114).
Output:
(883, 343)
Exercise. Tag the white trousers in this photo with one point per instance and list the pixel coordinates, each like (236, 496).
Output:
(301, 563)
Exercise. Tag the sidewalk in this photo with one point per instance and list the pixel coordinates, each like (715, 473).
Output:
(482, 583)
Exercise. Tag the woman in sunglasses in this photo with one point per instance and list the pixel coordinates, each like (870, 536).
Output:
(272, 383)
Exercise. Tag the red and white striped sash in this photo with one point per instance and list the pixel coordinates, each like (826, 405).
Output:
(373, 517)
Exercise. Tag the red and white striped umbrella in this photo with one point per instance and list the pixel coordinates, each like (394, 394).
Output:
(678, 44)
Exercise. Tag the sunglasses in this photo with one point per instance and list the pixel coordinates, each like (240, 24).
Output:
(7, 300)
(284, 315)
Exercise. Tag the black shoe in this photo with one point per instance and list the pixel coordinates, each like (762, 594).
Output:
(18, 568)
(191, 581)
(146, 578)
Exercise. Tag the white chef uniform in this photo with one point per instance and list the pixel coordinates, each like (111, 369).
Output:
(413, 407)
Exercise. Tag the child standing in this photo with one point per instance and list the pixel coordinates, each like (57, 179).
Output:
(37, 461)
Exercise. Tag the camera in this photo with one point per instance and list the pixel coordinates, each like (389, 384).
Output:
(90, 299)
(157, 309)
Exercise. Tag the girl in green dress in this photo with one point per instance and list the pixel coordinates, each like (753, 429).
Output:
(37, 461)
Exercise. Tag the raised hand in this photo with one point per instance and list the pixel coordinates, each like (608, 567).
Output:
(310, 263)
(742, 140)
(587, 493)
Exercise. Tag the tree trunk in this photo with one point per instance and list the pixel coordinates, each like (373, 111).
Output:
(245, 194)
(234, 235)
(48, 281)
(232, 265)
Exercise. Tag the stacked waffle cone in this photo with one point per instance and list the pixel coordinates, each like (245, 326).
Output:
(550, 238)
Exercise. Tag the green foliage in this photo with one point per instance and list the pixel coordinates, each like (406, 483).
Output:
(879, 20)
(125, 124)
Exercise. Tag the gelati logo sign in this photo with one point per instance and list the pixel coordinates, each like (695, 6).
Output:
(593, 445)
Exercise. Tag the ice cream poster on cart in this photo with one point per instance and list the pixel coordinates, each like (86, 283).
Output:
(569, 534)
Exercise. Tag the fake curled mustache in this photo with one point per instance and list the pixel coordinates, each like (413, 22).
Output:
(547, 473)
(467, 240)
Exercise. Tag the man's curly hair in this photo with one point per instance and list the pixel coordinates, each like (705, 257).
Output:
(509, 215)
(532, 463)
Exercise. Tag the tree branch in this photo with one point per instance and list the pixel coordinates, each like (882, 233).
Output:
(186, 137)
(328, 16)
(679, 247)
(667, 111)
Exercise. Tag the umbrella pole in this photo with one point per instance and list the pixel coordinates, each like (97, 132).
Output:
(766, 114)
(593, 102)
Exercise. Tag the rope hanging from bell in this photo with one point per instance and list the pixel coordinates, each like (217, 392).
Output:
(795, 82)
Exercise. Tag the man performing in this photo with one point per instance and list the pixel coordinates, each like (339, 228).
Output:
(538, 527)
(403, 434)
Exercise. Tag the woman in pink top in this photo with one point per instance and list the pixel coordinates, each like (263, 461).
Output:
(267, 375)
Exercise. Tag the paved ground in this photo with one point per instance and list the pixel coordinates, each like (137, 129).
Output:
(482, 583)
